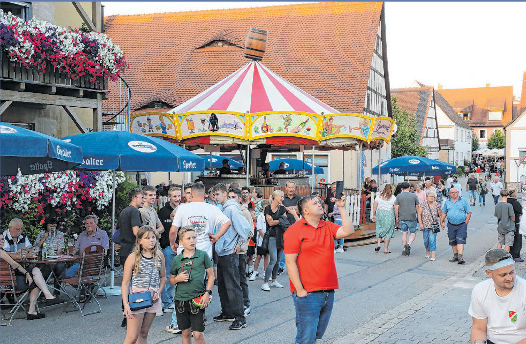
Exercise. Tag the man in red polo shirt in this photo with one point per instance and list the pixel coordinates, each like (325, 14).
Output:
(309, 254)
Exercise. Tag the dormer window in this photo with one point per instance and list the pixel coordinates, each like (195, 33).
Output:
(466, 116)
(495, 115)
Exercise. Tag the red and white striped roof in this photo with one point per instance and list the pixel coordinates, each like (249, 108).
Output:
(254, 88)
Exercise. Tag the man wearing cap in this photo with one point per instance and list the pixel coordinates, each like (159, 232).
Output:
(458, 213)
(498, 304)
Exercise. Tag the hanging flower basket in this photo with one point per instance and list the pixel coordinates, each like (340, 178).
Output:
(39, 44)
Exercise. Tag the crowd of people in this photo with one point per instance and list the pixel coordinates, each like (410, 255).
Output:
(200, 238)
(426, 206)
(219, 236)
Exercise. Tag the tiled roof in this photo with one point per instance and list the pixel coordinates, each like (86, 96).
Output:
(443, 104)
(324, 49)
(479, 101)
(415, 101)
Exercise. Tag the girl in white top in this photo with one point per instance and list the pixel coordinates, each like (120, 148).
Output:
(261, 227)
(384, 216)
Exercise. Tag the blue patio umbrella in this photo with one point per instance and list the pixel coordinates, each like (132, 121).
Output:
(33, 152)
(295, 164)
(413, 165)
(217, 162)
(124, 151)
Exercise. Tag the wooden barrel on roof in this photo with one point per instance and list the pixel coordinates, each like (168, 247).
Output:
(255, 44)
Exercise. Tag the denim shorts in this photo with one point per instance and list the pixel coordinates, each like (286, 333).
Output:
(472, 193)
(408, 226)
(457, 234)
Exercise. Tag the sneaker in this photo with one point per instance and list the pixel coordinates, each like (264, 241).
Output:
(280, 271)
(431, 259)
(160, 314)
(519, 259)
(172, 328)
(407, 249)
(276, 284)
(253, 276)
(237, 325)
(339, 250)
(246, 311)
(169, 309)
(222, 317)
(265, 287)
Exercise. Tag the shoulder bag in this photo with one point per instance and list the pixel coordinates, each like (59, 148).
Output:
(141, 300)
(435, 226)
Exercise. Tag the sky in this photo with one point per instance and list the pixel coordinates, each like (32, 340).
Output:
(454, 44)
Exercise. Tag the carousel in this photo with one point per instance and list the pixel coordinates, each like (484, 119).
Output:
(256, 111)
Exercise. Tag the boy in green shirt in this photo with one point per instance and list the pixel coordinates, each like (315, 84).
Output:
(188, 274)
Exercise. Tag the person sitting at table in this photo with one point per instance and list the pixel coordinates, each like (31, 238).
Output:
(281, 169)
(26, 280)
(15, 240)
(52, 238)
(91, 236)
(225, 169)
(265, 171)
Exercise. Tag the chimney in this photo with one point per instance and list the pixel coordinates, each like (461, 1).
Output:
(523, 94)
(439, 87)
(487, 85)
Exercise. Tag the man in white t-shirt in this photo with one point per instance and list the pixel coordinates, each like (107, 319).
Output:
(495, 187)
(203, 216)
(449, 182)
(498, 304)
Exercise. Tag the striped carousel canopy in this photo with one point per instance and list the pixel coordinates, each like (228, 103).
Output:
(254, 88)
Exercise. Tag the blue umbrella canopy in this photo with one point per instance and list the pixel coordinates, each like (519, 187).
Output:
(124, 151)
(33, 152)
(217, 162)
(295, 164)
(414, 165)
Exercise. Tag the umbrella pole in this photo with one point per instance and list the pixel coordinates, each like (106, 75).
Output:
(112, 290)
(312, 163)
(248, 164)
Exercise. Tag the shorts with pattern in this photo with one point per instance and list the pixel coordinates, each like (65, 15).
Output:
(506, 239)
(189, 316)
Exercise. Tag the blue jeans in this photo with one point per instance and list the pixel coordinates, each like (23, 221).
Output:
(312, 315)
(496, 199)
(72, 271)
(282, 262)
(275, 256)
(482, 198)
(167, 294)
(341, 241)
(408, 226)
(430, 240)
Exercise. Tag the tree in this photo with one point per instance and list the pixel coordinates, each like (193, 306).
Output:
(406, 140)
(497, 140)
(474, 143)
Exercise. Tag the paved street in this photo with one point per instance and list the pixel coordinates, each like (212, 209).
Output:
(382, 299)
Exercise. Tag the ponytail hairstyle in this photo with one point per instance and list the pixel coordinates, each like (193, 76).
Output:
(274, 195)
(141, 233)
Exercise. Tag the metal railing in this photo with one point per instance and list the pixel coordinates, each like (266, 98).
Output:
(116, 107)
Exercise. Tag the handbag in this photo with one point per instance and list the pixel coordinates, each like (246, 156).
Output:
(264, 242)
(141, 300)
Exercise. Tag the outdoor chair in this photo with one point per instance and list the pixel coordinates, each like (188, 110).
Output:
(8, 287)
(88, 280)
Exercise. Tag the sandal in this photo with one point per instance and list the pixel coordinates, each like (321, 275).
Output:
(454, 259)
(377, 249)
(386, 252)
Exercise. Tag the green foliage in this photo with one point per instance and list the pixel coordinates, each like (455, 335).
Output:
(460, 170)
(406, 140)
(497, 140)
(121, 196)
(475, 143)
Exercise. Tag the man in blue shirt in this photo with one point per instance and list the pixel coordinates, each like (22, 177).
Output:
(458, 213)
